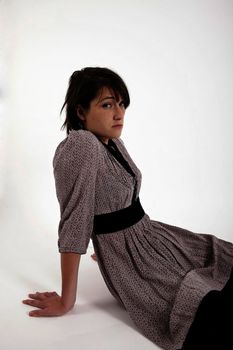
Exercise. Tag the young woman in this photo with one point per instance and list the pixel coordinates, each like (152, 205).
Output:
(176, 285)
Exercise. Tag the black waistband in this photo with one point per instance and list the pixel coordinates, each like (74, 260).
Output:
(119, 219)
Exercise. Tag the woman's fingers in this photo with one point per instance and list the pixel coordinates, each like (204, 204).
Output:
(45, 293)
(41, 296)
(36, 303)
(50, 294)
(94, 257)
(44, 312)
(38, 313)
(34, 313)
(36, 296)
(48, 303)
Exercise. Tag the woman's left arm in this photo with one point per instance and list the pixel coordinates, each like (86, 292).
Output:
(50, 303)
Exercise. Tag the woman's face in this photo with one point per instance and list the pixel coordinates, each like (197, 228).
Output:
(103, 116)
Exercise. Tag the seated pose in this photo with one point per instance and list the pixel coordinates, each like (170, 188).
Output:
(176, 285)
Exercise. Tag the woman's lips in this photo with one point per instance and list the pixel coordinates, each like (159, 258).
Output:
(117, 126)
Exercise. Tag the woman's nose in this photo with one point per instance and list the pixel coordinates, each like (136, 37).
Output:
(119, 112)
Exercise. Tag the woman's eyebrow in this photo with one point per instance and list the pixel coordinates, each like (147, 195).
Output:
(108, 97)
(105, 98)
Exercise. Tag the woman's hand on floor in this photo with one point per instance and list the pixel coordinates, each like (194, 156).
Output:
(49, 303)
(94, 257)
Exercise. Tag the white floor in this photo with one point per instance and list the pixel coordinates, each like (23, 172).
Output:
(29, 263)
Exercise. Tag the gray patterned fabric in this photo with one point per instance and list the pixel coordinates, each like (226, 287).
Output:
(158, 272)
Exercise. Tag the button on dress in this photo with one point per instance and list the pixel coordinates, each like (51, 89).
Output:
(158, 272)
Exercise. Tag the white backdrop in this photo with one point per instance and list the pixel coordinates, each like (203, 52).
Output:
(176, 59)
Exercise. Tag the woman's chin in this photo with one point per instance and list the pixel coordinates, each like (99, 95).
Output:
(117, 131)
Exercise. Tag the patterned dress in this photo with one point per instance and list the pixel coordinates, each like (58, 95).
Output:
(158, 272)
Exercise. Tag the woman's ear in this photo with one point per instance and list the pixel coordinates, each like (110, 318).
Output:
(80, 113)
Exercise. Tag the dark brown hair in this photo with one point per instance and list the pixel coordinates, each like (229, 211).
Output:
(84, 86)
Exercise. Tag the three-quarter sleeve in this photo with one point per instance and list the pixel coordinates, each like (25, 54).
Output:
(75, 167)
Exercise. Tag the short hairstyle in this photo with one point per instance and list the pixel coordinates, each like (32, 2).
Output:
(84, 86)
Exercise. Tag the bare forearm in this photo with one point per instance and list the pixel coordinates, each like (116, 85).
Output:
(69, 272)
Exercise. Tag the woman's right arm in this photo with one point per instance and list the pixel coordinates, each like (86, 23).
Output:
(52, 304)
(69, 274)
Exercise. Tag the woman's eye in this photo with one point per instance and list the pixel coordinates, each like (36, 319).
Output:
(109, 104)
(106, 104)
